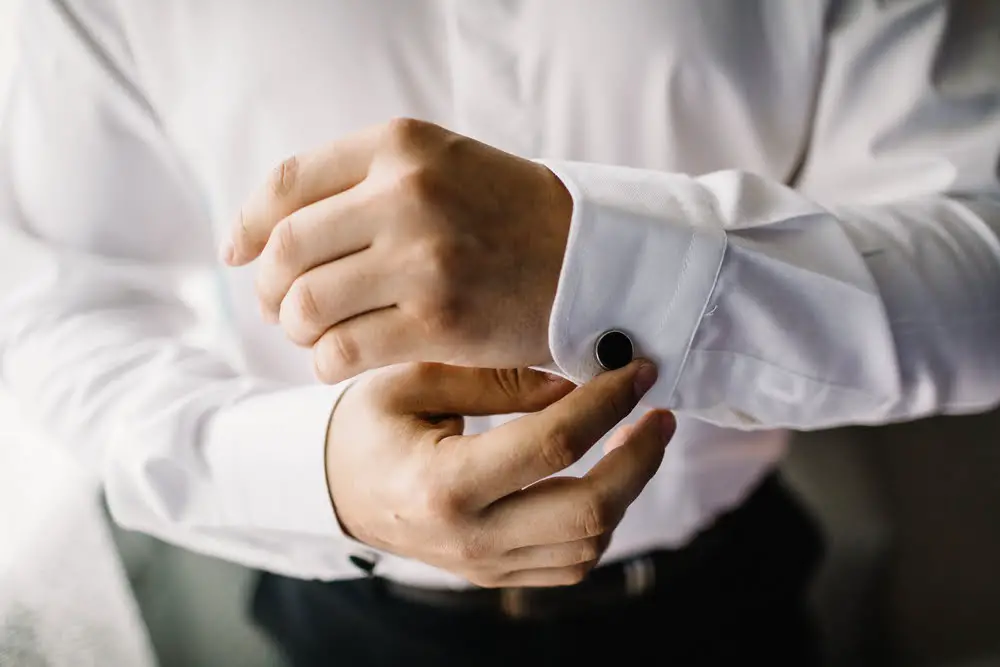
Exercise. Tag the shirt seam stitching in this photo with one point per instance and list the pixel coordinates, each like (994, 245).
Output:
(701, 316)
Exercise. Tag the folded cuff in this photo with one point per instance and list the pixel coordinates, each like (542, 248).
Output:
(642, 257)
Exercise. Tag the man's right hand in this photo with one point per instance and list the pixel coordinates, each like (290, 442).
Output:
(404, 479)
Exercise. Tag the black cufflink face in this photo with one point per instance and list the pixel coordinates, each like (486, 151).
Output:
(362, 564)
(613, 350)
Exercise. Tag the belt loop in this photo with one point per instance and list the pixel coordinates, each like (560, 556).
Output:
(513, 602)
(640, 576)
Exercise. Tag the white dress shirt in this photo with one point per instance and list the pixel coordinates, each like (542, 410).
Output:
(792, 206)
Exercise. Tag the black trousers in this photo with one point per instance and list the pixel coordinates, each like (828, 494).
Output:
(734, 595)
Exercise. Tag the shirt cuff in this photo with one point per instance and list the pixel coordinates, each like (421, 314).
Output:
(643, 258)
(268, 452)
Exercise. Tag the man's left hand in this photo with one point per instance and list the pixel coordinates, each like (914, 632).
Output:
(407, 242)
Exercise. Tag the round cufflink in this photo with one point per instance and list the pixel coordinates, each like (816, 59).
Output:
(613, 350)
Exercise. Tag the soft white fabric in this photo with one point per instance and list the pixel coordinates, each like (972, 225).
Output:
(64, 598)
(791, 206)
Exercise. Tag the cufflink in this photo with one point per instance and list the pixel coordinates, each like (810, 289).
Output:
(366, 565)
(613, 350)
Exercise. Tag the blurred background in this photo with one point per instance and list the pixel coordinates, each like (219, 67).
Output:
(912, 576)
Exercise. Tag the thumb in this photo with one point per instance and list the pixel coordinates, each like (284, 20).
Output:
(439, 389)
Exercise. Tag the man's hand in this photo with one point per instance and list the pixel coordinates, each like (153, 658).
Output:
(404, 479)
(407, 242)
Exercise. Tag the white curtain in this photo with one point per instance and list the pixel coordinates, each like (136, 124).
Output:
(64, 596)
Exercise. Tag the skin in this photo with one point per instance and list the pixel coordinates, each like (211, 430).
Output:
(407, 242)
(406, 480)
(435, 259)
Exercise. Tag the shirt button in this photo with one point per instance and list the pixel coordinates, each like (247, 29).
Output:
(366, 565)
(613, 350)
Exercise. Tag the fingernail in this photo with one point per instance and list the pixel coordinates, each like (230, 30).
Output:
(227, 252)
(645, 378)
(668, 424)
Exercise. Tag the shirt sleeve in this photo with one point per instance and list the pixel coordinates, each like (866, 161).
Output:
(867, 293)
(98, 222)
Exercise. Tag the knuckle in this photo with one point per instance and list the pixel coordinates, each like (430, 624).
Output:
(596, 517)
(283, 246)
(556, 451)
(403, 127)
(335, 356)
(454, 147)
(303, 305)
(509, 381)
(402, 134)
(421, 185)
(282, 179)
(618, 406)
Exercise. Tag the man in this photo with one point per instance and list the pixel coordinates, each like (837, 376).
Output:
(792, 208)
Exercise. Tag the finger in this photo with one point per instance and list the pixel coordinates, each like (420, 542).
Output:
(371, 340)
(439, 389)
(333, 293)
(563, 554)
(298, 181)
(319, 233)
(621, 475)
(518, 453)
(565, 509)
(546, 577)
